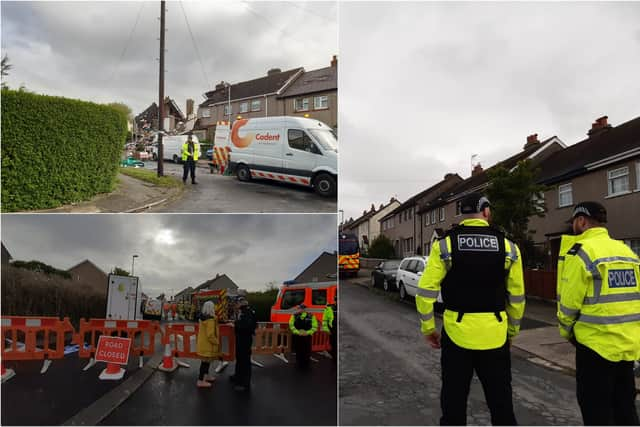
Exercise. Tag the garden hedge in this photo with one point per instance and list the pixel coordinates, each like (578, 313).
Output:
(57, 150)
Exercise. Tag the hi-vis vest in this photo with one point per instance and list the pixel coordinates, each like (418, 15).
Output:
(599, 294)
(480, 274)
(303, 322)
(185, 151)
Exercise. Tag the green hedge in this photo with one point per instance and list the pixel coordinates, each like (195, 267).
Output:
(56, 150)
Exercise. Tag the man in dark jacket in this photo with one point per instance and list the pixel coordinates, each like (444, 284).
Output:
(302, 325)
(245, 327)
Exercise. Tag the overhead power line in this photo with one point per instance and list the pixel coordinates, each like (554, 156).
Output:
(126, 46)
(195, 46)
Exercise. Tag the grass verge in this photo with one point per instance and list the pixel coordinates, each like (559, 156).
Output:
(151, 177)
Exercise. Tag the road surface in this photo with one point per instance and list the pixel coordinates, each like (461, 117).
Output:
(389, 376)
(220, 194)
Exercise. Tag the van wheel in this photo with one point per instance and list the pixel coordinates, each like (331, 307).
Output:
(176, 160)
(325, 185)
(243, 173)
(403, 292)
(385, 285)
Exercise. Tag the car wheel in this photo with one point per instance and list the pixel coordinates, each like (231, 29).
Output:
(325, 185)
(385, 285)
(403, 292)
(372, 284)
(243, 173)
(176, 160)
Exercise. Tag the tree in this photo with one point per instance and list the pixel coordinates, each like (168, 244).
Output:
(122, 109)
(120, 272)
(5, 68)
(515, 197)
(381, 247)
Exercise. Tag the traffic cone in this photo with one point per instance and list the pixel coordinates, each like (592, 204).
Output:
(112, 372)
(168, 363)
(7, 374)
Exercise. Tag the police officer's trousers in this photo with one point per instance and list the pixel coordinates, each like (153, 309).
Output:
(302, 347)
(243, 361)
(334, 343)
(605, 389)
(493, 368)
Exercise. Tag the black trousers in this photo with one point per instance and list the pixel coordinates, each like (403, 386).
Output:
(242, 374)
(302, 347)
(493, 368)
(606, 390)
(189, 167)
(204, 369)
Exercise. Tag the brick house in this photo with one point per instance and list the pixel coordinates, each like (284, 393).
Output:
(221, 281)
(367, 226)
(89, 273)
(149, 117)
(604, 167)
(322, 269)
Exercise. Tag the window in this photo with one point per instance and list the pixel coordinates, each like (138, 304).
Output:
(411, 265)
(410, 213)
(400, 218)
(426, 219)
(299, 140)
(301, 104)
(227, 110)
(565, 195)
(292, 298)
(427, 249)
(404, 264)
(433, 216)
(538, 202)
(206, 112)
(634, 244)
(319, 297)
(255, 105)
(458, 208)
(638, 176)
(441, 214)
(244, 107)
(419, 267)
(618, 181)
(320, 102)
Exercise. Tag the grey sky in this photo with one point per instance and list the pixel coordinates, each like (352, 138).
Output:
(73, 49)
(423, 86)
(176, 251)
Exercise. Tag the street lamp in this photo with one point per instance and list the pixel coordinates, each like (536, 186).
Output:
(133, 260)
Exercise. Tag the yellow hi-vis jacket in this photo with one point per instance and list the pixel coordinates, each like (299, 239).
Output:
(476, 331)
(599, 294)
(185, 151)
(327, 318)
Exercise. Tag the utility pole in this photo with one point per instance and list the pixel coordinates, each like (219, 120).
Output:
(161, 93)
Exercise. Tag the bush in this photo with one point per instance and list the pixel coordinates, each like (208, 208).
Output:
(261, 302)
(41, 267)
(381, 247)
(30, 293)
(56, 150)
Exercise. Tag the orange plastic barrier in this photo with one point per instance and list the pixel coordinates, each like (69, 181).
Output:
(320, 341)
(272, 338)
(141, 332)
(41, 338)
(183, 340)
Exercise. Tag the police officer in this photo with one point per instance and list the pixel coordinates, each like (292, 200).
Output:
(245, 328)
(190, 155)
(599, 312)
(303, 325)
(329, 323)
(479, 272)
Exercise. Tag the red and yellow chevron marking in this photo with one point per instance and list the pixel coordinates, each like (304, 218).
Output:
(221, 157)
(349, 262)
(280, 177)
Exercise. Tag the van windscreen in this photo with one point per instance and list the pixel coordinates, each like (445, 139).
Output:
(326, 138)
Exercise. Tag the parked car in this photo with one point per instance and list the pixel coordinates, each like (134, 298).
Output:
(210, 154)
(409, 274)
(130, 162)
(385, 274)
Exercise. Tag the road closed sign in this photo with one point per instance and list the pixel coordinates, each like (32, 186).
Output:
(113, 350)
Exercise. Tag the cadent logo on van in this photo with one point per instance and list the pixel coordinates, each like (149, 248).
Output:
(622, 279)
(265, 137)
(478, 242)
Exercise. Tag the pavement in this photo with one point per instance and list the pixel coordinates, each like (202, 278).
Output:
(225, 194)
(539, 339)
(390, 376)
(130, 195)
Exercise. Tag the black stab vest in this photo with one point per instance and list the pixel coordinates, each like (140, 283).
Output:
(476, 281)
(302, 324)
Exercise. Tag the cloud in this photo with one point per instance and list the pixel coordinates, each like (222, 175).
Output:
(252, 250)
(432, 83)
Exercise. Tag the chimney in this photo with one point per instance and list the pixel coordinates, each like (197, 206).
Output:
(373, 208)
(221, 85)
(273, 71)
(364, 212)
(477, 169)
(531, 140)
(599, 125)
(190, 103)
(393, 199)
(334, 61)
(381, 206)
(449, 175)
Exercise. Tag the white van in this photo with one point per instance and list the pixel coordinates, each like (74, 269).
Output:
(172, 147)
(289, 149)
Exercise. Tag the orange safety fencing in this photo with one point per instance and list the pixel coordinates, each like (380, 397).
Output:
(272, 338)
(34, 338)
(320, 341)
(141, 332)
(183, 340)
